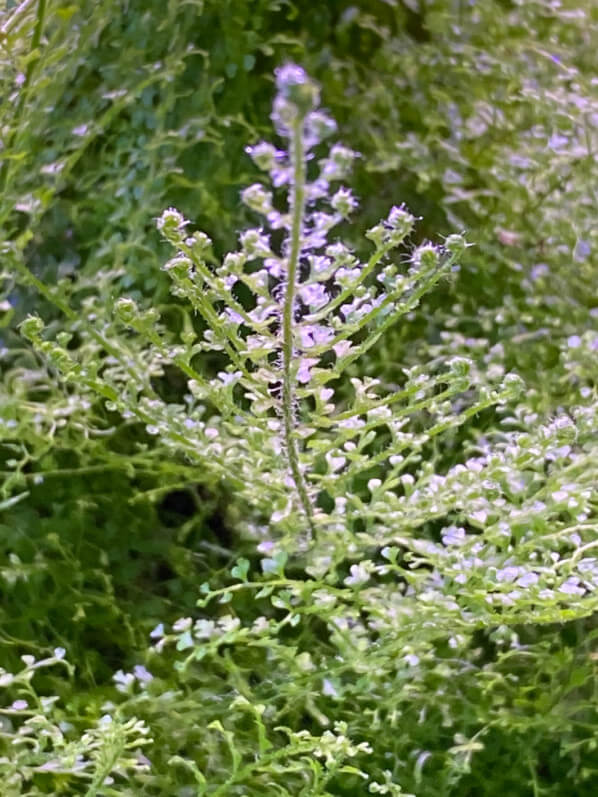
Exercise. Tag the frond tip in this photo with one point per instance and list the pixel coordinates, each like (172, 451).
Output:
(312, 298)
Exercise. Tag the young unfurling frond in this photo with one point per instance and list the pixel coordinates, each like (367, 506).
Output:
(315, 308)
(291, 310)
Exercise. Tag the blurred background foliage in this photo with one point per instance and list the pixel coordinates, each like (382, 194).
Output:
(480, 116)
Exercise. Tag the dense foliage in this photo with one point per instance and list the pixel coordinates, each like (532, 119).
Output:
(316, 516)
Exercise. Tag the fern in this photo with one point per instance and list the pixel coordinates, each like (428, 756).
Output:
(314, 309)
(317, 457)
(273, 420)
(400, 549)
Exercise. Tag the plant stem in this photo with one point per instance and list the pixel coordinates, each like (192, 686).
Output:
(102, 774)
(288, 349)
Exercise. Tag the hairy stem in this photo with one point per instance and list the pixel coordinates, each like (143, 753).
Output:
(288, 349)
